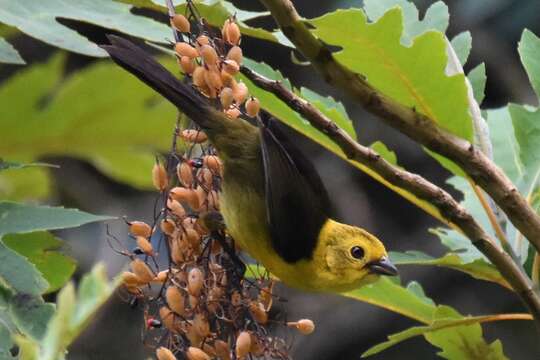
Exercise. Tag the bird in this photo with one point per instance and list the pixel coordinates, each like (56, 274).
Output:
(273, 201)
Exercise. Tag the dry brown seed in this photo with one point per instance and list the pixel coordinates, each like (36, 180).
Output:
(213, 200)
(240, 93)
(162, 276)
(187, 64)
(168, 319)
(184, 195)
(198, 77)
(224, 30)
(209, 55)
(194, 136)
(177, 252)
(253, 106)
(304, 326)
(201, 325)
(213, 79)
(193, 301)
(129, 279)
(227, 79)
(226, 97)
(159, 177)
(206, 177)
(235, 53)
(233, 112)
(231, 66)
(163, 353)
(184, 171)
(233, 33)
(142, 271)
(194, 353)
(213, 163)
(139, 228)
(192, 237)
(181, 23)
(223, 350)
(176, 208)
(184, 49)
(201, 196)
(175, 300)
(243, 344)
(257, 311)
(195, 281)
(167, 226)
(202, 40)
(145, 245)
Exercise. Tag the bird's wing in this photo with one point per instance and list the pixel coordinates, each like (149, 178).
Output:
(296, 201)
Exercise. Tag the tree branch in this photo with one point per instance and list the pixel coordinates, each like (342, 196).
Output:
(416, 184)
(415, 125)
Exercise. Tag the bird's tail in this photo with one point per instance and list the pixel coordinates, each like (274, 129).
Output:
(143, 66)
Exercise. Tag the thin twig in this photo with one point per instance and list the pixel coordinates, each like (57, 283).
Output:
(415, 125)
(416, 184)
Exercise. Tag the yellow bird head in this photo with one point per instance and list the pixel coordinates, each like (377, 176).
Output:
(353, 257)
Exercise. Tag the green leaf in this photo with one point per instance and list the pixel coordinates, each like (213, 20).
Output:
(333, 110)
(4, 165)
(478, 268)
(436, 17)
(386, 153)
(6, 343)
(462, 45)
(392, 296)
(75, 312)
(21, 218)
(459, 337)
(477, 77)
(41, 249)
(31, 314)
(18, 274)
(529, 50)
(414, 76)
(8, 54)
(130, 120)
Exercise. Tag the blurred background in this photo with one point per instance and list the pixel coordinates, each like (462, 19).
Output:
(345, 328)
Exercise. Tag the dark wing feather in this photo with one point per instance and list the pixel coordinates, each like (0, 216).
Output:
(296, 200)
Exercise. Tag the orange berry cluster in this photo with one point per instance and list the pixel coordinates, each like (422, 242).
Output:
(198, 305)
(213, 63)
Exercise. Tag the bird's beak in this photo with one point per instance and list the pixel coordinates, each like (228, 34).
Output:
(383, 267)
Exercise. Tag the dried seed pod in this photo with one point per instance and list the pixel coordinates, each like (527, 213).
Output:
(162, 353)
(177, 252)
(159, 177)
(175, 300)
(139, 228)
(193, 301)
(257, 311)
(195, 281)
(192, 237)
(304, 326)
(201, 196)
(226, 97)
(213, 163)
(185, 173)
(201, 325)
(233, 112)
(142, 271)
(181, 23)
(209, 55)
(168, 319)
(213, 80)
(193, 353)
(243, 344)
(206, 178)
(162, 276)
(224, 30)
(145, 245)
(167, 226)
(231, 66)
(184, 49)
(187, 64)
(198, 77)
(194, 136)
(213, 200)
(253, 106)
(176, 208)
(240, 93)
(202, 40)
(235, 53)
(183, 195)
(233, 34)
(209, 349)
(223, 351)
(227, 79)
(129, 279)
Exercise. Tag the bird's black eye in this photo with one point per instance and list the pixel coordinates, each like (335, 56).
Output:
(357, 252)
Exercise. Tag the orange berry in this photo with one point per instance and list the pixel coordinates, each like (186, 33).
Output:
(209, 55)
(184, 171)
(240, 93)
(142, 271)
(184, 49)
(139, 228)
(145, 245)
(243, 344)
(187, 64)
(181, 23)
(235, 53)
(159, 177)
(194, 136)
(226, 97)
(163, 353)
(175, 300)
(231, 66)
(167, 226)
(193, 353)
(253, 106)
